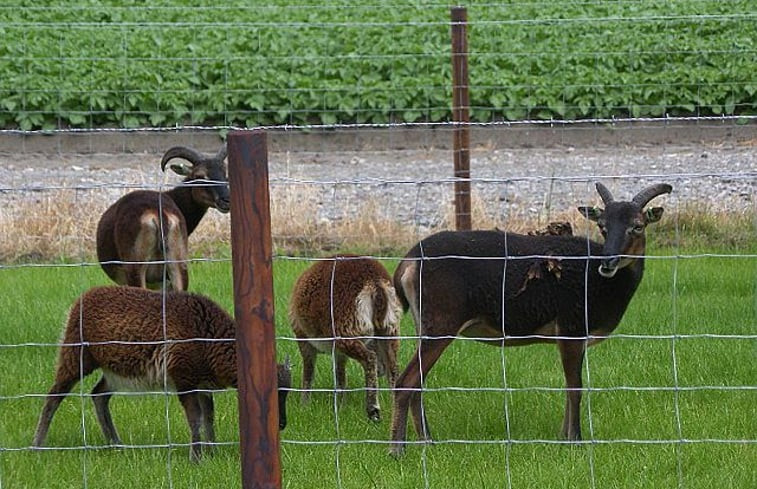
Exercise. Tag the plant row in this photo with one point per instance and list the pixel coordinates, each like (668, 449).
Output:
(129, 64)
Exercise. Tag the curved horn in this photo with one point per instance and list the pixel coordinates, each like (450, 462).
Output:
(649, 193)
(221, 154)
(188, 154)
(604, 193)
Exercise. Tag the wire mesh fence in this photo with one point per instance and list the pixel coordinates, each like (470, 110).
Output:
(357, 101)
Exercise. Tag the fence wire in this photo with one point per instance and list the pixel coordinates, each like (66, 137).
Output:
(669, 264)
(356, 98)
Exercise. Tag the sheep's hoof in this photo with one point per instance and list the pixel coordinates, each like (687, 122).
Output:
(374, 414)
(571, 436)
(397, 450)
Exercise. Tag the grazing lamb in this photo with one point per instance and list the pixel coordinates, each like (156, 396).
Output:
(508, 289)
(121, 331)
(342, 305)
(131, 234)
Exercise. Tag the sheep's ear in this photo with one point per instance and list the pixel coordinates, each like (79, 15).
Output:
(653, 214)
(181, 169)
(591, 213)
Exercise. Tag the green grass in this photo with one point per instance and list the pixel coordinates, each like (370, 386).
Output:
(645, 433)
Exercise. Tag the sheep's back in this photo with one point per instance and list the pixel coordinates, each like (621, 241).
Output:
(129, 331)
(122, 220)
(336, 283)
(543, 279)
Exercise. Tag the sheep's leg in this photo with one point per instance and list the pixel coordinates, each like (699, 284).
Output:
(387, 352)
(101, 395)
(407, 392)
(52, 401)
(572, 355)
(377, 348)
(420, 422)
(178, 276)
(175, 252)
(308, 353)
(208, 416)
(341, 376)
(390, 348)
(184, 277)
(73, 364)
(136, 275)
(356, 349)
(176, 270)
(193, 411)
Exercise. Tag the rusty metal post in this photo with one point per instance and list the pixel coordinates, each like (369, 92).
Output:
(251, 256)
(461, 116)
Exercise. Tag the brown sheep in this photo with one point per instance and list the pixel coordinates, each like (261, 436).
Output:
(146, 226)
(347, 305)
(143, 340)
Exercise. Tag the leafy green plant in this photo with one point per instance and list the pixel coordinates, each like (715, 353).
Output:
(130, 64)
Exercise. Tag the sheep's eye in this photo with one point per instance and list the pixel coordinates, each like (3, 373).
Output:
(638, 229)
(602, 229)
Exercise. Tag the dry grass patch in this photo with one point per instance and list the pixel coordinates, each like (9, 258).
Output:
(60, 225)
(55, 224)
(700, 225)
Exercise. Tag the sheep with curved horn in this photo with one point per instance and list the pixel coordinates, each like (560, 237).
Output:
(508, 289)
(146, 226)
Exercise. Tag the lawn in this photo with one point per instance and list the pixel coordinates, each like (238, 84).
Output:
(672, 399)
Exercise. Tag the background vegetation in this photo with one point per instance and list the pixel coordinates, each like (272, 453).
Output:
(130, 63)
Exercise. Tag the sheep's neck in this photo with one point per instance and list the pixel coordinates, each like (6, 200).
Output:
(192, 210)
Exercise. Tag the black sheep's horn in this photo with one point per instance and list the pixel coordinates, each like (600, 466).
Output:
(188, 154)
(649, 193)
(605, 193)
(221, 154)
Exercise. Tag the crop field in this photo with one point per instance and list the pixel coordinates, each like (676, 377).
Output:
(127, 64)
(671, 399)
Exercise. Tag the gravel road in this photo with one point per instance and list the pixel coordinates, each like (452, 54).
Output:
(416, 185)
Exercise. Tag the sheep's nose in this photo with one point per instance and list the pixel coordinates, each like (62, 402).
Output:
(223, 204)
(609, 266)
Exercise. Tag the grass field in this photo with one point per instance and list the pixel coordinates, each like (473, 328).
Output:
(672, 400)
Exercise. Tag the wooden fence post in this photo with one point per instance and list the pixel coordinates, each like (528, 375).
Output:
(461, 116)
(251, 255)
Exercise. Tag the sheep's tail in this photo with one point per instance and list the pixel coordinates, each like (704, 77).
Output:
(380, 304)
(387, 308)
(398, 288)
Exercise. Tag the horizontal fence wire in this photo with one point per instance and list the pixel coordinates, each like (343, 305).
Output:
(502, 377)
(356, 98)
